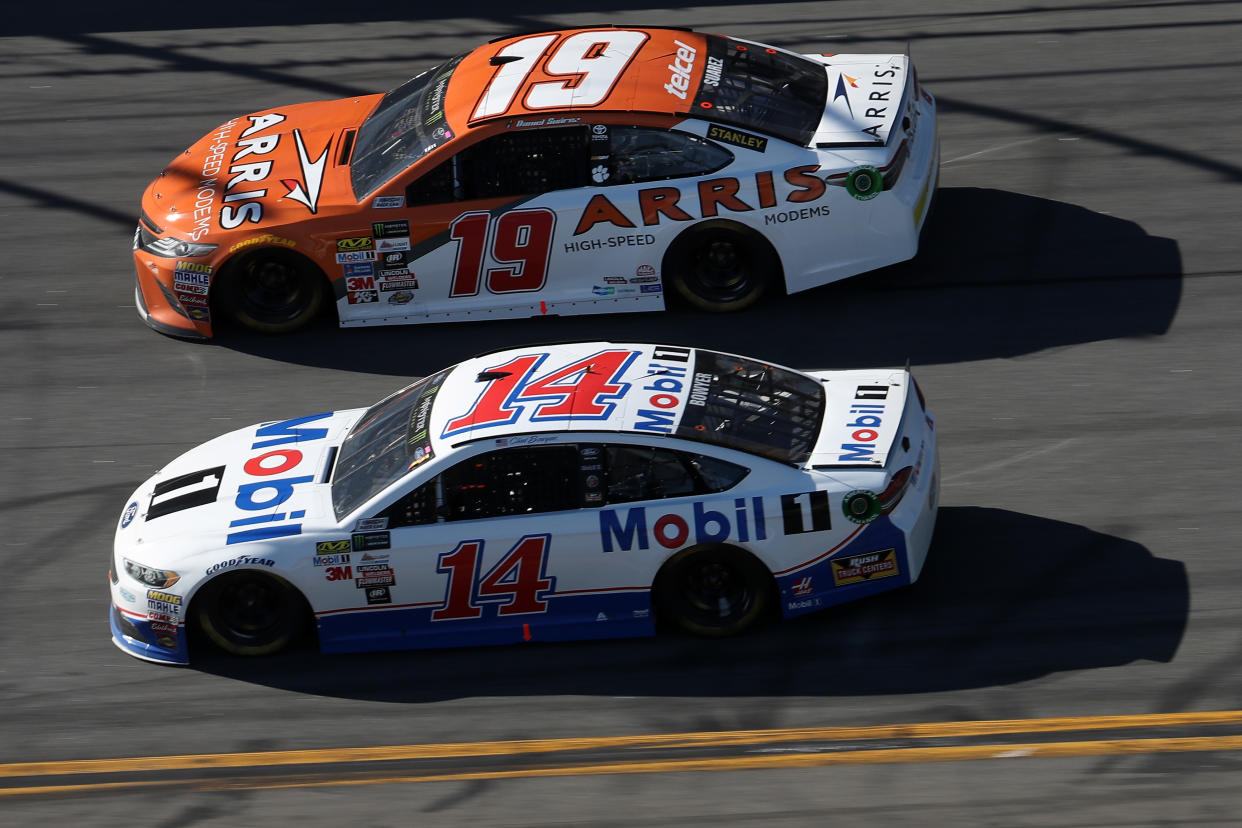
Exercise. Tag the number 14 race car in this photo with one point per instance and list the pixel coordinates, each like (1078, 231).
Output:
(564, 172)
(537, 494)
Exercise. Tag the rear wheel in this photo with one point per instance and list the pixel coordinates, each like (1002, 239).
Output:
(721, 267)
(272, 291)
(715, 592)
(249, 613)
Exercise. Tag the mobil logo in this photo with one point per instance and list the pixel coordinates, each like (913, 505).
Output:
(663, 390)
(866, 418)
(272, 484)
(623, 529)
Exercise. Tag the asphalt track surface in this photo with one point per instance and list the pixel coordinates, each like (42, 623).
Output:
(1072, 654)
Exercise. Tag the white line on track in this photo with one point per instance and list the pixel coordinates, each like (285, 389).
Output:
(1009, 461)
(994, 149)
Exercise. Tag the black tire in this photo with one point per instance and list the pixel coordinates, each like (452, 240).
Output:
(715, 592)
(272, 291)
(249, 613)
(721, 267)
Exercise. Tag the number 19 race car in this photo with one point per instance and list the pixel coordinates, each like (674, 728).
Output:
(566, 172)
(538, 494)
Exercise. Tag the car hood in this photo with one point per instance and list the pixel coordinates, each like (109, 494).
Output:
(260, 170)
(260, 483)
(865, 96)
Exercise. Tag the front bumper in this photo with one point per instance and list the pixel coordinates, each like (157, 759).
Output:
(157, 304)
(133, 634)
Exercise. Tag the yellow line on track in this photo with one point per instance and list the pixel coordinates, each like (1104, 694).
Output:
(665, 740)
(1045, 750)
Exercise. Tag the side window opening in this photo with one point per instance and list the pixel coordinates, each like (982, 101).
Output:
(513, 482)
(648, 473)
(632, 154)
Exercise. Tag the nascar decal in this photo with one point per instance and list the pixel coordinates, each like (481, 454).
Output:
(714, 196)
(272, 484)
(586, 389)
(241, 195)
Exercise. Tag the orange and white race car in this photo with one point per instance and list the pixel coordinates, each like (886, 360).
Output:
(561, 172)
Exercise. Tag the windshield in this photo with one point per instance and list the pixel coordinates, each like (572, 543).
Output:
(757, 87)
(390, 440)
(408, 123)
(756, 408)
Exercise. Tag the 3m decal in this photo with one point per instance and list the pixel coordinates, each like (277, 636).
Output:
(674, 531)
(582, 69)
(338, 573)
(521, 241)
(517, 584)
(805, 512)
(586, 389)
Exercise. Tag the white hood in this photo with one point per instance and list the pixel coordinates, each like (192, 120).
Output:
(258, 483)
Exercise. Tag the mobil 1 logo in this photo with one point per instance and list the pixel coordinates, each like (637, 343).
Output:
(805, 512)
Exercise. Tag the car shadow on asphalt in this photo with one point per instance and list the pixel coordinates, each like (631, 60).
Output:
(1004, 597)
(999, 274)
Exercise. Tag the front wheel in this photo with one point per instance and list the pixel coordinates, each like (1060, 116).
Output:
(721, 268)
(713, 592)
(249, 613)
(272, 291)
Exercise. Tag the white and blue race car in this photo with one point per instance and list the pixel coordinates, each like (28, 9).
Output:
(546, 493)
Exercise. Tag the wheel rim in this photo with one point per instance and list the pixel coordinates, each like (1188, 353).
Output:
(272, 291)
(251, 610)
(716, 591)
(722, 271)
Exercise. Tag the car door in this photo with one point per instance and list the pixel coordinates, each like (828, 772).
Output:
(476, 231)
(502, 546)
